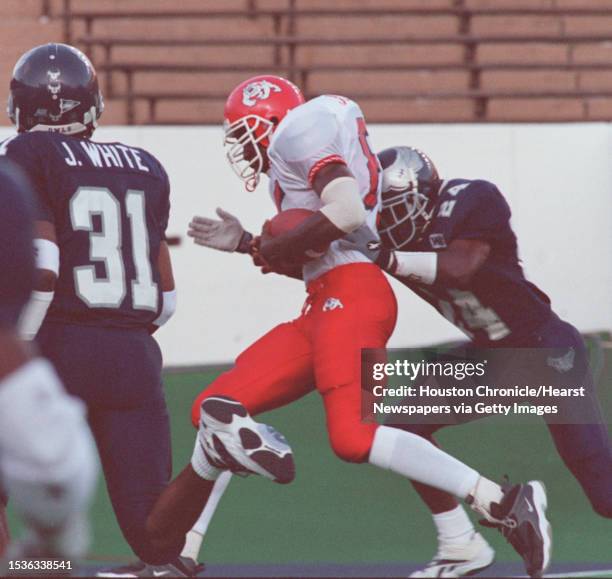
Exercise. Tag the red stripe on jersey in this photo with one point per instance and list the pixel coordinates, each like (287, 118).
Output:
(279, 195)
(372, 196)
(323, 163)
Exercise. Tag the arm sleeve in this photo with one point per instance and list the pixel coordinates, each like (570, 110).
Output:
(483, 213)
(305, 147)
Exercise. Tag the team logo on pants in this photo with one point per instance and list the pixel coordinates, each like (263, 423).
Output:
(332, 304)
(563, 363)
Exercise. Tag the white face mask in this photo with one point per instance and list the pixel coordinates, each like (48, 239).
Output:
(241, 133)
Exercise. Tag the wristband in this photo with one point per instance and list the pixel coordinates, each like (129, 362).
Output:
(386, 260)
(168, 308)
(244, 245)
(421, 267)
(47, 255)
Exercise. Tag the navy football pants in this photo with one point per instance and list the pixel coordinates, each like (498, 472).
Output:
(117, 373)
(584, 448)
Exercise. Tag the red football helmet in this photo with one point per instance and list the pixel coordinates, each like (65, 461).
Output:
(252, 111)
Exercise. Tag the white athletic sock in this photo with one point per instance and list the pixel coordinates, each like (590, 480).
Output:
(200, 463)
(193, 543)
(416, 458)
(454, 526)
(483, 494)
(195, 537)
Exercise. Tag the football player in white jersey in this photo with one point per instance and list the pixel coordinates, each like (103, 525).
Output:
(47, 454)
(317, 157)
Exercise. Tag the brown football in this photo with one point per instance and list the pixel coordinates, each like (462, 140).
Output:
(287, 221)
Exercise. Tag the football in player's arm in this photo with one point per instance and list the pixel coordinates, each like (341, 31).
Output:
(317, 157)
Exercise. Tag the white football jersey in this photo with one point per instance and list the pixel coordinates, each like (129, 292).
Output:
(327, 129)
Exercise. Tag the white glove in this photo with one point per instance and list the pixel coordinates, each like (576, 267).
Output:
(224, 235)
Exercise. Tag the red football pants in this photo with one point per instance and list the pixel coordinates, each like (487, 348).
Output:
(349, 308)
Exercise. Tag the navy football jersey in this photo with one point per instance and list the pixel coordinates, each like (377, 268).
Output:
(110, 204)
(499, 305)
(16, 237)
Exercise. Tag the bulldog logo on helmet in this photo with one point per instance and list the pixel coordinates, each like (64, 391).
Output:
(259, 90)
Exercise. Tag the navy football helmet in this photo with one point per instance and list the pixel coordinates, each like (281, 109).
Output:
(410, 186)
(55, 88)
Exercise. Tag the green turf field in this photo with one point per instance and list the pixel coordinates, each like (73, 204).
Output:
(337, 512)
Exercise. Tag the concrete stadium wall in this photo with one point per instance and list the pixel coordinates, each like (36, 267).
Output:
(557, 179)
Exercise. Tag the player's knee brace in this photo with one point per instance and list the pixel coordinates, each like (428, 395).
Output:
(352, 444)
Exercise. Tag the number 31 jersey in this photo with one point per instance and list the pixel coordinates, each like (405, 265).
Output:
(325, 130)
(109, 204)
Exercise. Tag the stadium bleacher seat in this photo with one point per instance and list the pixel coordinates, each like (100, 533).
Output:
(405, 60)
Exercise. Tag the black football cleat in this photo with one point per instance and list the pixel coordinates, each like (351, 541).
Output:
(180, 567)
(521, 519)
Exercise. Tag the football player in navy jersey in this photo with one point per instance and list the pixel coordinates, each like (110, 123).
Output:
(49, 471)
(104, 280)
(462, 251)
(451, 243)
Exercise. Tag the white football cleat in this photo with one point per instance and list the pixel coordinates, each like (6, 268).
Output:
(459, 560)
(233, 441)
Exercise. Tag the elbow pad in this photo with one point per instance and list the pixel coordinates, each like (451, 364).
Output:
(168, 308)
(342, 204)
